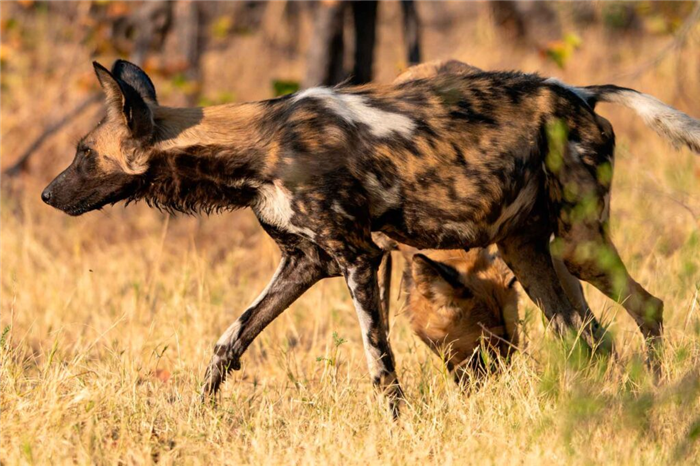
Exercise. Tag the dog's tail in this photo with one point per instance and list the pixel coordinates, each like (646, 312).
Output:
(674, 125)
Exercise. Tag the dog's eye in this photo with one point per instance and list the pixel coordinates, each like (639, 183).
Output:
(87, 152)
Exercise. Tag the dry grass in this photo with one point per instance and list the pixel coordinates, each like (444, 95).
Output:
(108, 319)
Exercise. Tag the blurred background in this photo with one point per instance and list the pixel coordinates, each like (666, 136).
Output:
(107, 320)
(204, 53)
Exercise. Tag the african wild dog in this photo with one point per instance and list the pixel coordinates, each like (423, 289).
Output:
(446, 162)
(455, 298)
(458, 302)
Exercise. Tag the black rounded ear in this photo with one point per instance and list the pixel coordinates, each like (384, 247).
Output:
(125, 102)
(135, 77)
(436, 280)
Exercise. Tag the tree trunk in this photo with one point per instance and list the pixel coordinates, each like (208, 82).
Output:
(411, 31)
(325, 54)
(509, 19)
(365, 19)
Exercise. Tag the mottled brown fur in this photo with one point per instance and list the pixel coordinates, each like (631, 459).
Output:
(490, 311)
(454, 161)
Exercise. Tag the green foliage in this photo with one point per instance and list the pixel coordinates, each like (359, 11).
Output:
(333, 359)
(689, 253)
(221, 27)
(184, 85)
(605, 173)
(223, 97)
(27, 451)
(557, 136)
(337, 341)
(561, 51)
(694, 431)
(618, 15)
(3, 337)
(284, 87)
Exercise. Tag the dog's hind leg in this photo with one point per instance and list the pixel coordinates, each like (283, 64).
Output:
(530, 260)
(582, 230)
(590, 255)
(574, 290)
(359, 257)
(361, 277)
(384, 281)
(387, 245)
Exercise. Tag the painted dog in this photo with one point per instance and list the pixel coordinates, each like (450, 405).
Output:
(459, 303)
(446, 162)
(457, 300)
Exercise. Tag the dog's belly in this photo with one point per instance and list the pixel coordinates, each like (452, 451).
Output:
(457, 225)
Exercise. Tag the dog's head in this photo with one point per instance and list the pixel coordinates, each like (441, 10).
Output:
(453, 293)
(111, 160)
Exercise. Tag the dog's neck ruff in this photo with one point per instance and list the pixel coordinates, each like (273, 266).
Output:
(205, 159)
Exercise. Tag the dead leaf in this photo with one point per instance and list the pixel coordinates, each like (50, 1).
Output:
(163, 375)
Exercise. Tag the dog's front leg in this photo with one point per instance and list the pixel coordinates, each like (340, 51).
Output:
(297, 272)
(361, 278)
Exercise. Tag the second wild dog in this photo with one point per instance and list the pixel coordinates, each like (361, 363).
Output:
(457, 302)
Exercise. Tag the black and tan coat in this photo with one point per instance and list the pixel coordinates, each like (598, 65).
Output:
(446, 162)
(464, 302)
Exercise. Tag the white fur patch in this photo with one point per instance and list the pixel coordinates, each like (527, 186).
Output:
(274, 206)
(648, 107)
(354, 109)
(352, 285)
(230, 335)
(576, 151)
(580, 93)
(264, 292)
(339, 209)
(365, 318)
(676, 126)
(465, 231)
(382, 199)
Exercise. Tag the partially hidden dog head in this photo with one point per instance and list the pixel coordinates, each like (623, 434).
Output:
(458, 298)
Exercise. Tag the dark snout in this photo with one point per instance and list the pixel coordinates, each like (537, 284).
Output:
(64, 193)
(46, 195)
(76, 192)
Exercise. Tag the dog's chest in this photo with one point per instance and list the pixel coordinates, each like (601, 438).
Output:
(274, 206)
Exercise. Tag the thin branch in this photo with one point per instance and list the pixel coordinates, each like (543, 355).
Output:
(21, 164)
(692, 308)
(411, 31)
(670, 196)
(677, 43)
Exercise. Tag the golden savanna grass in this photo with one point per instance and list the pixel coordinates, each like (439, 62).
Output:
(109, 319)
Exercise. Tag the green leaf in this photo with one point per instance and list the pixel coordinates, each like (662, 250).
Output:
(221, 27)
(282, 87)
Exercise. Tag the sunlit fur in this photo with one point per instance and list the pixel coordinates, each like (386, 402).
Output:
(446, 162)
(475, 307)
